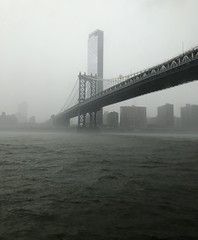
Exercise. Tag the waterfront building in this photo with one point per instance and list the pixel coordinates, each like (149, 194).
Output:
(105, 117)
(132, 117)
(8, 120)
(189, 116)
(22, 113)
(112, 119)
(125, 117)
(165, 115)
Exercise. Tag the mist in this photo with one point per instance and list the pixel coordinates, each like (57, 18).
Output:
(43, 47)
(127, 171)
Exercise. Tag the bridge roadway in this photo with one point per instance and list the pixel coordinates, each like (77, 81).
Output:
(179, 70)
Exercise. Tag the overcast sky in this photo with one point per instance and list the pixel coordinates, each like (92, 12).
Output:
(43, 46)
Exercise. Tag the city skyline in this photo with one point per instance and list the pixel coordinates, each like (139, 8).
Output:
(134, 117)
(42, 56)
(98, 119)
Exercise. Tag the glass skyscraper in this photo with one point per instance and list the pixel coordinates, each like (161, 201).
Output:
(95, 62)
(95, 56)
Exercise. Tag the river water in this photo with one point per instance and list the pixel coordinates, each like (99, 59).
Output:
(57, 185)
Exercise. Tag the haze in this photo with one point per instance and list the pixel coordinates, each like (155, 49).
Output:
(43, 46)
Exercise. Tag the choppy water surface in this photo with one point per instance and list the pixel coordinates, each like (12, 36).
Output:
(97, 186)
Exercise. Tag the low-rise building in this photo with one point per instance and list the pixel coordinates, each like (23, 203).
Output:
(132, 117)
(165, 115)
(112, 119)
(189, 116)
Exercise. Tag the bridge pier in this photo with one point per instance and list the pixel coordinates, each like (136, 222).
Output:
(94, 119)
(82, 96)
(93, 122)
(91, 119)
(81, 120)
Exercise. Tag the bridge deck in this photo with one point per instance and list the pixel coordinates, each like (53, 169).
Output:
(179, 70)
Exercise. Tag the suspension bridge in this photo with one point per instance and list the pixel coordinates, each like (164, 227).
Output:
(84, 98)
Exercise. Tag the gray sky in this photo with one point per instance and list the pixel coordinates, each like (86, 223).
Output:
(43, 46)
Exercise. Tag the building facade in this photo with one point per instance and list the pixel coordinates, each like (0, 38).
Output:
(112, 120)
(189, 116)
(105, 115)
(132, 117)
(22, 113)
(95, 53)
(125, 117)
(165, 115)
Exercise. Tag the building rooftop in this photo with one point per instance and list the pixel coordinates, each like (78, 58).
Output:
(96, 32)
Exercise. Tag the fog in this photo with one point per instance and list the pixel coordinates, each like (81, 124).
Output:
(43, 46)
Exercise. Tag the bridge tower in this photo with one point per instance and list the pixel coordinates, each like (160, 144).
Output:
(83, 79)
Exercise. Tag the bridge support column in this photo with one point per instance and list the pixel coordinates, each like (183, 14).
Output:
(82, 88)
(93, 87)
(93, 122)
(94, 119)
(91, 119)
(83, 79)
(81, 120)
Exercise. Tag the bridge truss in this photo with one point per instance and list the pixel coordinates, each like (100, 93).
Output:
(176, 71)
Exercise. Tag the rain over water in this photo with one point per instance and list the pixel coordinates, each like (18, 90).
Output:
(57, 185)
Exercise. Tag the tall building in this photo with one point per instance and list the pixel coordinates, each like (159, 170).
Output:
(125, 117)
(139, 117)
(132, 117)
(189, 116)
(95, 53)
(112, 119)
(194, 115)
(105, 115)
(22, 114)
(8, 120)
(165, 115)
(95, 62)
